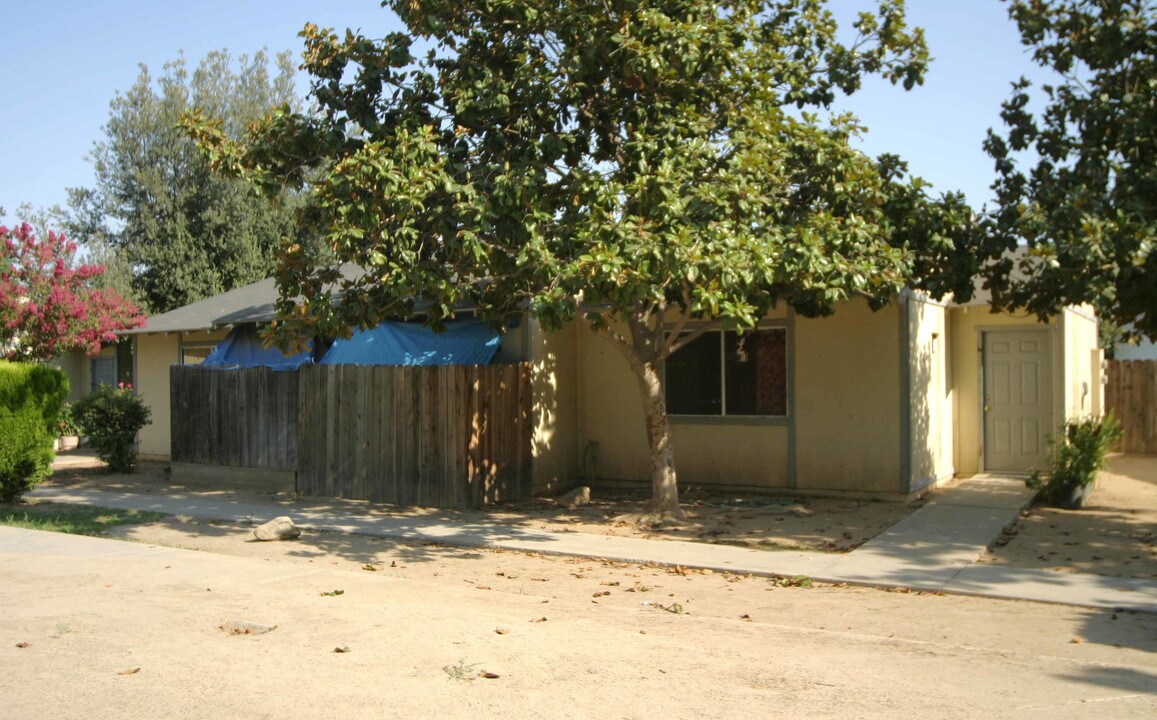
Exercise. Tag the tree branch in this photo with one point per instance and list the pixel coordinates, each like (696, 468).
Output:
(684, 318)
(681, 342)
(622, 345)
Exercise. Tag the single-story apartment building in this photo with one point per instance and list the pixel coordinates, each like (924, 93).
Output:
(865, 403)
(880, 403)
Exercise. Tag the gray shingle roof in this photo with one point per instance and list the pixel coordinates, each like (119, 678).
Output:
(250, 303)
(253, 303)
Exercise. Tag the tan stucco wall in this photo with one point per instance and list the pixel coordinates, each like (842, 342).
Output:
(965, 327)
(78, 367)
(930, 394)
(612, 442)
(554, 448)
(1083, 390)
(75, 366)
(847, 396)
(155, 353)
(1076, 362)
(515, 344)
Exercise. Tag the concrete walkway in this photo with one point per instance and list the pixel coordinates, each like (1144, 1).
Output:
(934, 548)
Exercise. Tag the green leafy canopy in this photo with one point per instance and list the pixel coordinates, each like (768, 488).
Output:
(1078, 180)
(594, 157)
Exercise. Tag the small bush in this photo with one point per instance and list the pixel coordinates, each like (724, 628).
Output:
(111, 418)
(1078, 458)
(31, 398)
(67, 424)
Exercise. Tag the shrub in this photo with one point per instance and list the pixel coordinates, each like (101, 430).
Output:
(1078, 457)
(111, 418)
(31, 398)
(67, 424)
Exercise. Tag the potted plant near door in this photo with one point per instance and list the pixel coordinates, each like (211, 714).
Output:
(68, 429)
(1077, 459)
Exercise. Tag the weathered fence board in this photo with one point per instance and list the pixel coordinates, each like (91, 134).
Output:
(1131, 393)
(446, 436)
(240, 418)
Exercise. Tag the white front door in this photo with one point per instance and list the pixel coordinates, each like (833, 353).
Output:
(1018, 399)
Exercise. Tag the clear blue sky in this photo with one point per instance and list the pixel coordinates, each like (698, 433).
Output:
(64, 62)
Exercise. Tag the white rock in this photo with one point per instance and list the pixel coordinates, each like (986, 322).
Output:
(581, 495)
(279, 528)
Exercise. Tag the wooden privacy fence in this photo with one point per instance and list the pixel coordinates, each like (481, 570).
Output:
(446, 436)
(442, 436)
(241, 418)
(1131, 393)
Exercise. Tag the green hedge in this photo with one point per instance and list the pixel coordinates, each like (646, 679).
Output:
(31, 397)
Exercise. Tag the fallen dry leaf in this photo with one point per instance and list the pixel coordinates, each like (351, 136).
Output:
(538, 620)
(342, 649)
(23, 644)
(488, 675)
(502, 631)
(746, 617)
(130, 671)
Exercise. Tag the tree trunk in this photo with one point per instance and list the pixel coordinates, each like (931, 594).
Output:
(665, 489)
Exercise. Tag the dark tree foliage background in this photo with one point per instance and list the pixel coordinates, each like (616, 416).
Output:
(170, 229)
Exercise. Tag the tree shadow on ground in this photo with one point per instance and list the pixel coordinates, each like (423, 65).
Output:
(763, 522)
(1114, 535)
(311, 545)
(1123, 629)
(1130, 680)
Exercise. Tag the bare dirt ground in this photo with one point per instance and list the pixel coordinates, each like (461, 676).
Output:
(821, 524)
(135, 632)
(1115, 534)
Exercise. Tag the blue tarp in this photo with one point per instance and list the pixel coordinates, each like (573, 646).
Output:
(242, 348)
(465, 342)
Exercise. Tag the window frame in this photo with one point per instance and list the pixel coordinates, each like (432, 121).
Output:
(724, 418)
(105, 359)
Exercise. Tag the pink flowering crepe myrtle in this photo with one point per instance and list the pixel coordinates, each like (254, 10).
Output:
(48, 306)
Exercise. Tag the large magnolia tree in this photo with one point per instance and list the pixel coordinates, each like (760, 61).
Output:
(1078, 177)
(655, 169)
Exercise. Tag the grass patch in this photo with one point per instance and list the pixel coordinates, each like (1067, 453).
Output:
(74, 519)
